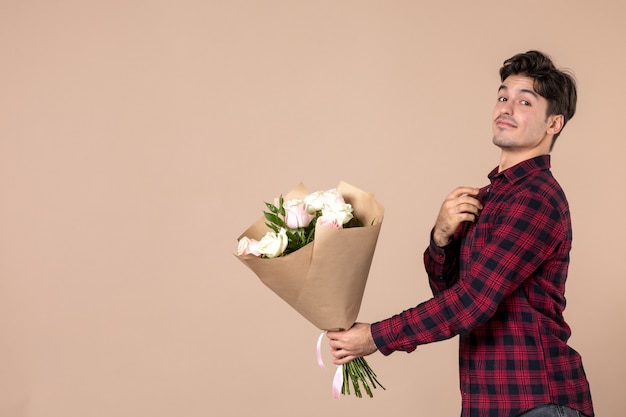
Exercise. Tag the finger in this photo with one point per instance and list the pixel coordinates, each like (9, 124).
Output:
(339, 353)
(334, 335)
(465, 203)
(462, 203)
(467, 217)
(341, 360)
(345, 359)
(460, 191)
(334, 344)
(469, 208)
(469, 198)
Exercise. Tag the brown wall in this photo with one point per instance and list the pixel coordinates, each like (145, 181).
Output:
(139, 138)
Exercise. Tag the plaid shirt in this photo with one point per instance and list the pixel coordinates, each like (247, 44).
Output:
(500, 285)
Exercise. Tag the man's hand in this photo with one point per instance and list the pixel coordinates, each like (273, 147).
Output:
(351, 344)
(459, 206)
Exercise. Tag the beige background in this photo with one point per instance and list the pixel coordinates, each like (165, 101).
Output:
(139, 138)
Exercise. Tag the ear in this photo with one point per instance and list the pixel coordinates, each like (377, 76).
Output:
(555, 124)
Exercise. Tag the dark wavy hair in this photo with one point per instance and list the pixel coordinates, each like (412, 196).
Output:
(558, 86)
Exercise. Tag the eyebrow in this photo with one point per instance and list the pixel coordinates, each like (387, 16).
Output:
(523, 90)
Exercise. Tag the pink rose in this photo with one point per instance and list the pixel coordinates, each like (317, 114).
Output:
(248, 246)
(329, 221)
(296, 214)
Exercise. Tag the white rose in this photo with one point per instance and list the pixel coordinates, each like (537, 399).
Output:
(317, 200)
(342, 212)
(273, 244)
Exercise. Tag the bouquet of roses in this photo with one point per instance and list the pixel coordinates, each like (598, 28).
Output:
(314, 250)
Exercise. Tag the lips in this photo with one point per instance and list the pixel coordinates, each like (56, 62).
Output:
(505, 122)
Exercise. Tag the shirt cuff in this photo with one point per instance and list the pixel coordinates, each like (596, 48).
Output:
(440, 253)
(385, 340)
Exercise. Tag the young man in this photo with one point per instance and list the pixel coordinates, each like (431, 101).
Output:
(497, 265)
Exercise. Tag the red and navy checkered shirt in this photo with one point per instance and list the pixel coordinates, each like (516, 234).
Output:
(500, 285)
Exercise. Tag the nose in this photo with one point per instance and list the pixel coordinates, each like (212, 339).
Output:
(505, 108)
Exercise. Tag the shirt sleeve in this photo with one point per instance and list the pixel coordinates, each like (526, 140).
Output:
(521, 238)
(441, 263)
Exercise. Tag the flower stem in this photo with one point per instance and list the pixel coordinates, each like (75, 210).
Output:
(358, 372)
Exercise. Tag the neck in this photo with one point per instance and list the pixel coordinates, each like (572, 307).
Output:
(508, 159)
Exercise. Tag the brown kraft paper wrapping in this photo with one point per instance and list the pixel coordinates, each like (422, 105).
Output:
(325, 280)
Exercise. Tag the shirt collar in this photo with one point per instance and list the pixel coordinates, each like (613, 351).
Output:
(522, 169)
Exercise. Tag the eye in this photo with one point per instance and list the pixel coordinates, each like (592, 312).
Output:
(525, 102)
(502, 99)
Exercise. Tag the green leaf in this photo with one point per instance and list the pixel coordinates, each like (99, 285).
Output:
(292, 236)
(272, 208)
(281, 207)
(274, 219)
(273, 227)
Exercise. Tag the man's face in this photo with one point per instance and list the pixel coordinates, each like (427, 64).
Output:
(520, 123)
